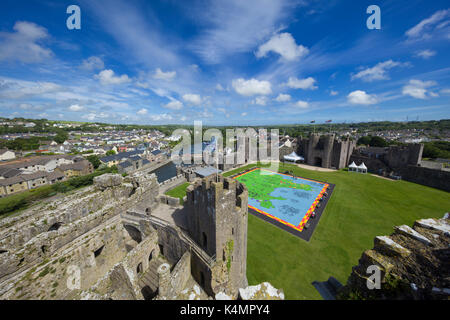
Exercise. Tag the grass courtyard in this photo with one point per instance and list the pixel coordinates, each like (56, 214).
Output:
(178, 192)
(361, 207)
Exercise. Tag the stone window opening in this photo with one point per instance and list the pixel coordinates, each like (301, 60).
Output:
(3, 251)
(139, 268)
(55, 226)
(134, 233)
(205, 241)
(161, 249)
(150, 257)
(44, 249)
(20, 262)
(98, 251)
(148, 293)
(232, 231)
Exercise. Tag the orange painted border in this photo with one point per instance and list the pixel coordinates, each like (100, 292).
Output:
(308, 213)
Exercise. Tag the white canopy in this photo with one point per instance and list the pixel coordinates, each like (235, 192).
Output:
(293, 157)
(353, 165)
(362, 166)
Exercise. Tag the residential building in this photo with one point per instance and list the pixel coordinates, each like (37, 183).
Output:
(6, 155)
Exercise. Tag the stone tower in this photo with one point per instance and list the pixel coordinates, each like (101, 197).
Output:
(326, 151)
(217, 222)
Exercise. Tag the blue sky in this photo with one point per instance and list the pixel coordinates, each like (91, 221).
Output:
(225, 62)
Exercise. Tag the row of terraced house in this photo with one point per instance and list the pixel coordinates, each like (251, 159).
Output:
(30, 173)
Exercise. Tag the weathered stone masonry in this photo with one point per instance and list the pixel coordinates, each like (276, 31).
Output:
(122, 239)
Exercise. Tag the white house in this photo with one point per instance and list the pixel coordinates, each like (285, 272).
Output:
(7, 155)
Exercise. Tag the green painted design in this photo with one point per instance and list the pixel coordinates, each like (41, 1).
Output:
(260, 186)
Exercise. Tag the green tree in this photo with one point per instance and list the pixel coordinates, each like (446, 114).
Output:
(94, 160)
(364, 140)
(378, 142)
(437, 149)
(61, 136)
(110, 153)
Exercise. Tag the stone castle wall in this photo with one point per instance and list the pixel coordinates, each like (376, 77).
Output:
(326, 151)
(218, 224)
(435, 178)
(82, 232)
(102, 242)
(413, 264)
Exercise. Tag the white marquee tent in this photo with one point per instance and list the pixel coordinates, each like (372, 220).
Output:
(293, 157)
(362, 168)
(353, 167)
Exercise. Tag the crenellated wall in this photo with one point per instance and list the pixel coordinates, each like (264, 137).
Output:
(119, 239)
(326, 150)
(82, 232)
(413, 264)
(218, 214)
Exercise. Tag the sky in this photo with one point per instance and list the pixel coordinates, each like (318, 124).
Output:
(234, 62)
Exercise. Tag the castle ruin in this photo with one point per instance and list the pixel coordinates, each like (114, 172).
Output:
(413, 264)
(123, 239)
(326, 151)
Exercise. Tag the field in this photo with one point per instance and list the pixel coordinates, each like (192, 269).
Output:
(361, 207)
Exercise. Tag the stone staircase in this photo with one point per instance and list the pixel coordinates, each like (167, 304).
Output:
(148, 282)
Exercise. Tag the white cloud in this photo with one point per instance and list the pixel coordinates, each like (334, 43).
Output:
(419, 89)
(25, 106)
(435, 24)
(94, 116)
(334, 93)
(92, 63)
(23, 45)
(262, 101)
(283, 97)
(302, 104)
(251, 87)
(142, 112)
(361, 97)
(194, 99)
(236, 26)
(18, 89)
(219, 87)
(108, 77)
(378, 72)
(174, 105)
(161, 75)
(305, 84)
(426, 54)
(160, 117)
(76, 108)
(160, 92)
(445, 91)
(283, 44)
(243, 114)
(90, 116)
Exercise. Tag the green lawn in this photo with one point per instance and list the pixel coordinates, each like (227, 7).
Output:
(178, 192)
(361, 207)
